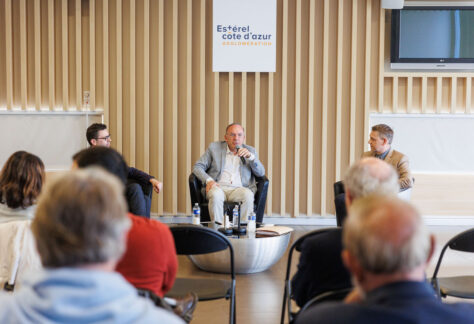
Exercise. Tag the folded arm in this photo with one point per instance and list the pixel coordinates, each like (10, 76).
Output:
(202, 165)
(144, 179)
(141, 177)
(404, 174)
(257, 167)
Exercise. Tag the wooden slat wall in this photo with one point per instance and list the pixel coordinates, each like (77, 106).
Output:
(324, 108)
(78, 52)
(160, 122)
(284, 107)
(23, 52)
(51, 62)
(9, 54)
(92, 66)
(65, 54)
(37, 44)
(353, 89)
(148, 67)
(105, 60)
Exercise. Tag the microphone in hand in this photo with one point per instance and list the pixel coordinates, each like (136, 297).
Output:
(241, 158)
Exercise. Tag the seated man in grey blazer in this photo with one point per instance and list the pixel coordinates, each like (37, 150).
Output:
(380, 142)
(228, 169)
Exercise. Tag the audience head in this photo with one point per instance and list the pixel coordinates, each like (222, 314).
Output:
(107, 158)
(97, 134)
(81, 220)
(234, 135)
(385, 240)
(21, 180)
(369, 176)
(381, 138)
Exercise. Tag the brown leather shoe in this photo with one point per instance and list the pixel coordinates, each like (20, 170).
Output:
(185, 306)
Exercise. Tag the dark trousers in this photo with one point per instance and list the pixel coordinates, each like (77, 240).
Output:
(138, 198)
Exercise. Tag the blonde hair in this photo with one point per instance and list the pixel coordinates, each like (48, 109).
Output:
(386, 235)
(369, 176)
(81, 218)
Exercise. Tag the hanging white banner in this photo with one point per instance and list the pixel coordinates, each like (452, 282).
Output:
(244, 36)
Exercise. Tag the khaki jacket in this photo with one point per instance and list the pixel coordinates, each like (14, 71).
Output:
(400, 162)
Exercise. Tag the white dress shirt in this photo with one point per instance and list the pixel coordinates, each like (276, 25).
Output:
(230, 175)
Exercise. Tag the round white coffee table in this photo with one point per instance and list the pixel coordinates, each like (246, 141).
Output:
(251, 254)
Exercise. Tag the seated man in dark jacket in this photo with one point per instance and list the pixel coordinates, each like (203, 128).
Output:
(387, 249)
(320, 268)
(98, 135)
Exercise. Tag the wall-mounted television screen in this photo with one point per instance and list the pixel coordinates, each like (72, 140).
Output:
(432, 38)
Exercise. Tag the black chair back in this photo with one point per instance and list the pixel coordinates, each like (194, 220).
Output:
(195, 187)
(296, 246)
(333, 295)
(193, 239)
(338, 188)
(197, 196)
(462, 242)
(260, 199)
(339, 202)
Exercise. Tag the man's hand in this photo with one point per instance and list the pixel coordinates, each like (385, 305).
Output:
(244, 152)
(157, 186)
(211, 184)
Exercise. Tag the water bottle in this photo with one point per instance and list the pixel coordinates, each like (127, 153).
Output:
(196, 214)
(251, 225)
(235, 215)
(227, 223)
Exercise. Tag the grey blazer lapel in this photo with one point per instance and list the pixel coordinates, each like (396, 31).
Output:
(223, 154)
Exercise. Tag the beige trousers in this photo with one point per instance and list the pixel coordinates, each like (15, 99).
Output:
(217, 195)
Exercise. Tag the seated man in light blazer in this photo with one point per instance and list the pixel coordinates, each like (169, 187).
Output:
(228, 169)
(380, 143)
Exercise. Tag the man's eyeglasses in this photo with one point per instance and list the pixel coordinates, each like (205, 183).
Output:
(106, 138)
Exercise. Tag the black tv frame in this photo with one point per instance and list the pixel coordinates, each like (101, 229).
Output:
(432, 63)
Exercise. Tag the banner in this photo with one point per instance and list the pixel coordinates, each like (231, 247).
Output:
(244, 36)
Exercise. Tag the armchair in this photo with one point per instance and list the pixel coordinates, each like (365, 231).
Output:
(196, 189)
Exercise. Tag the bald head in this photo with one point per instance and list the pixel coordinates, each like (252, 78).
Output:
(371, 176)
(386, 235)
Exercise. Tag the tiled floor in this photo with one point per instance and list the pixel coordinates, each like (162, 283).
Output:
(259, 296)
